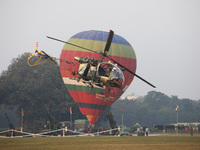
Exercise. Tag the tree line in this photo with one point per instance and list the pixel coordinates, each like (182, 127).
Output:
(156, 108)
(22, 86)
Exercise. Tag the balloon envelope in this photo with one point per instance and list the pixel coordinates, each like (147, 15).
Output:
(93, 102)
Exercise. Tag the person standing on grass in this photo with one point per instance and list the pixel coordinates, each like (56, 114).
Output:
(191, 131)
(147, 131)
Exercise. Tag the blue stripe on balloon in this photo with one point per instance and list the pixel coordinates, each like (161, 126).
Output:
(100, 36)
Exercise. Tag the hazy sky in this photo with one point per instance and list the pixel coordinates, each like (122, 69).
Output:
(165, 35)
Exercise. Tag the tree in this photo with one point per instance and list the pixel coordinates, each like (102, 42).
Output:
(22, 86)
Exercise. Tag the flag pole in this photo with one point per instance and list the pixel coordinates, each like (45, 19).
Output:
(177, 108)
(71, 117)
(22, 124)
(22, 112)
(177, 122)
(122, 119)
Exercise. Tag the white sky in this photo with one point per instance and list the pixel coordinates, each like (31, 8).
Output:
(165, 35)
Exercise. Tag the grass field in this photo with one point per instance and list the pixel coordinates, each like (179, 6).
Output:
(105, 143)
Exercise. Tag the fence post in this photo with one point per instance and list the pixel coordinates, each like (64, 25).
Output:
(63, 132)
(11, 132)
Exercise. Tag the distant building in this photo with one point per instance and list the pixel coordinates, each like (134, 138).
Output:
(81, 124)
(181, 126)
(130, 96)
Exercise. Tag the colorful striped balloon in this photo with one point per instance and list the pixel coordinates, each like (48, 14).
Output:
(91, 102)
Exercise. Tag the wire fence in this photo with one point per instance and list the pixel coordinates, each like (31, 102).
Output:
(64, 132)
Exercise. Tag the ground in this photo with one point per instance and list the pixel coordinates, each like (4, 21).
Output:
(102, 142)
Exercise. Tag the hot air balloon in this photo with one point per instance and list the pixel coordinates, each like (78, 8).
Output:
(97, 67)
(93, 103)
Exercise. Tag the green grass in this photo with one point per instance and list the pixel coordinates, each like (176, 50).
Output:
(105, 143)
